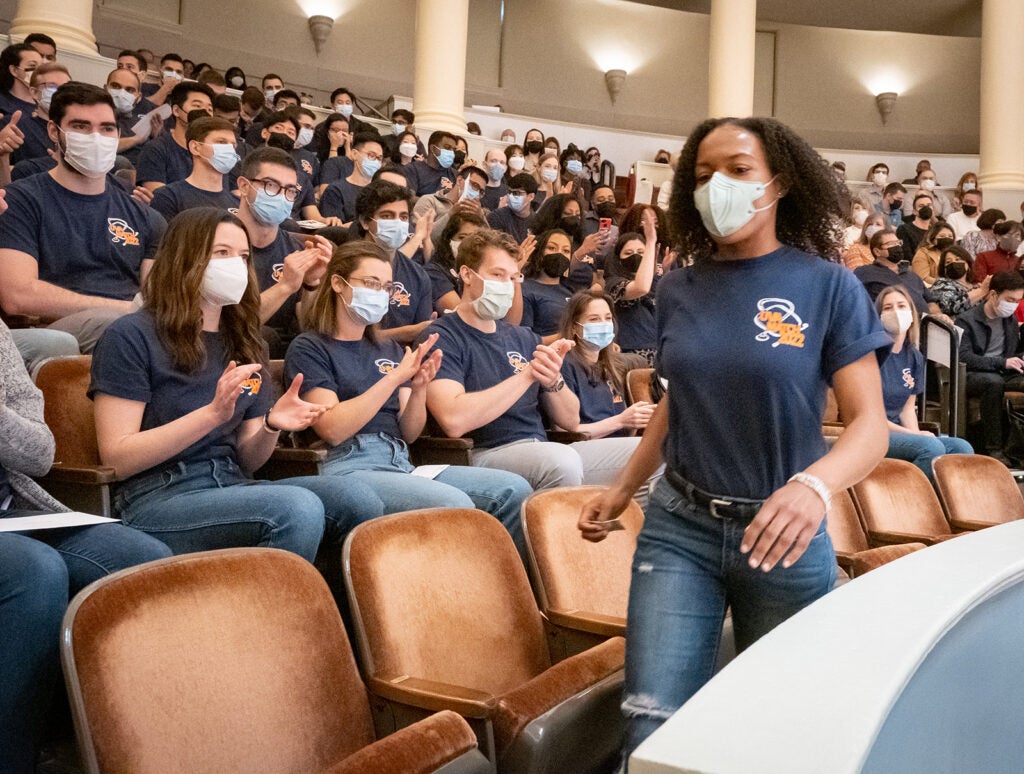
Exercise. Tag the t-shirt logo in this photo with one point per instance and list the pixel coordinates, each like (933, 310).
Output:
(385, 366)
(277, 272)
(122, 233)
(307, 167)
(908, 379)
(517, 361)
(777, 319)
(399, 295)
(251, 386)
(616, 395)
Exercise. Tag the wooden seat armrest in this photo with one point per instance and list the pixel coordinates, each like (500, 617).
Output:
(441, 442)
(287, 454)
(99, 474)
(433, 696)
(895, 538)
(566, 436)
(845, 561)
(584, 620)
(969, 525)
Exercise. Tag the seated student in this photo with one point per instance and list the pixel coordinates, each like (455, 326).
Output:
(172, 73)
(125, 89)
(339, 198)
(133, 61)
(630, 280)
(185, 410)
(165, 159)
(375, 394)
(382, 216)
(251, 107)
(17, 62)
(990, 346)
(287, 276)
(954, 292)
(965, 220)
(45, 80)
(544, 295)
(891, 267)
(913, 231)
(1004, 256)
(229, 108)
(533, 145)
(344, 102)
(213, 79)
(442, 268)
(926, 258)
(44, 44)
(496, 166)
(546, 175)
(271, 84)
(891, 204)
(408, 150)
(436, 170)
(903, 381)
(562, 211)
(464, 194)
(602, 209)
(513, 218)
(402, 125)
(211, 141)
(495, 378)
(983, 239)
(74, 245)
(573, 175)
(304, 155)
(515, 157)
(40, 571)
(281, 101)
(333, 149)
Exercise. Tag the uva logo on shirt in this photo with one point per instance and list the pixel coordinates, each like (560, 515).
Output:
(277, 272)
(251, 386)
(908, 379)
(122, 232)
(307, 167)
(385, 366)
(517, 361)
(399, 295)
(777, 319)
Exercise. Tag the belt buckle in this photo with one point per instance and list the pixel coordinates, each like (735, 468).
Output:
(714, 505)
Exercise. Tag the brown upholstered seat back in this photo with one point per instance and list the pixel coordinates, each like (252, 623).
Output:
(442, 595)
(897, 497)
(225, 661)
(276, 371)
(572, 573)
(68, 411)
(977, 488)
(638, 384)
(844, 525)
(831, 407)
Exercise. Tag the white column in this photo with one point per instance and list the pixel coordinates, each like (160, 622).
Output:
(1002, 110)
(439, 92)
(68, 22)
(732, 41)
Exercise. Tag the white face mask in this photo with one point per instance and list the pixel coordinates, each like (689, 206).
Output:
(859, 216)
(344, 108)
(897, 321)
(870, 231)
(407, 149)
(928, 184)
(879, 178)
(726, 204)
(1006, 308)
(304, 138)
(516, 163)
(548, 175)
(92, 154)
(496, 299)
(123, 101)
(225, 281)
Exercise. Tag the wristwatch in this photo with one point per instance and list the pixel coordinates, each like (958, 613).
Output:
(556, 386)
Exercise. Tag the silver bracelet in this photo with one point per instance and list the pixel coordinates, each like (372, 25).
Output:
(815, 484)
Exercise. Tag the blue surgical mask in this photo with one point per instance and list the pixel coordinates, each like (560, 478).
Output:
(574, 167)
(549, 175)
(224, 157)
(496, 171)
(516, 203)
(367, 306)
(598, 334)
(398, 128)
(45, 95)
(369, 166)
(392, 233)
(445, 157)
(271, 210)
(469, 193)
(344, 109)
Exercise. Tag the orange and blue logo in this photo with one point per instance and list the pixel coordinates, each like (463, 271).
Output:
(122, 232)
(252, 385)
(616, 395)
(277, 272)
(777, 319)
(307, 167)
(385, 366)
(399, 295)
(908, 379)
(517, 361)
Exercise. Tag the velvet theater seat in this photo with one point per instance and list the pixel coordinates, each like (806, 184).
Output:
(445, 619)
(853, 552)
(232, 661)
(977, 491)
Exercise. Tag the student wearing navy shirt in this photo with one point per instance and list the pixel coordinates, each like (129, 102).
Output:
(17, 62)
(46, 79)
(125, 89)
(544, 295)
(437, 169)
(375, 394)
(185, 409)
(74, 246)
(441, 268)
(631, 276)
(339, 198)
(514, 217)
(495, 378)
(903, 381)
(495, 166)
(166, 159)
(305, 159)
(892, 267)
(749, 337)
(211, 142)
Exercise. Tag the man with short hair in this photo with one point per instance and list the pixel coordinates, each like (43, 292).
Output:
(44, 44)
(965, 220)
(514, 216)
(75, 247)
(602, 209)
(436, 170)
(132, 61)
(172, 72)
(45, 81)
(339, 198)
(464, 196)
(271, 83)
(344, 102)
(891, 267)
(213, 79)
(125, 89)
(912, 232)
(285, 98)
(211, 141)
(228, 107)
(891, 204)
(166, 159)
(495, 166)
(305, 158)
(251, 110)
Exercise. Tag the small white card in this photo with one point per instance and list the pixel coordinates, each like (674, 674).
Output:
(143, 126)
(429, 471)
(52, 521)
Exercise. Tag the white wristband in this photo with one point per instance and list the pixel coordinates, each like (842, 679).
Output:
(815, 484)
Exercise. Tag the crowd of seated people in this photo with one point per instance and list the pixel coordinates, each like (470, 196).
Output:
(185, 236)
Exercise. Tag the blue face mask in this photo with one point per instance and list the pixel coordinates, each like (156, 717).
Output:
(496, 171)
(271, 210)
(224, 157)
(392, 233)
(574, 167)
(470, 193)
(398, 129)
(367, 306)
(516, 203)
(369, 166)
(598, 334)
(445, 157)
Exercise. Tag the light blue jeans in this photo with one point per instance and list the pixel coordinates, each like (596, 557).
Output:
(687, 571)
(922, 449)
(376, 470)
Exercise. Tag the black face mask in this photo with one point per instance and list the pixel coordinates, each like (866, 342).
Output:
(925, 213)
(944, 243)
(605, 210)
(895, 205)
(193, 115)
(956, 270)
(534, 146)
(460, 158)
(571, 223)
(632, 264)
(969, 210)
(896, 254)
(282, 141)
(554, 264)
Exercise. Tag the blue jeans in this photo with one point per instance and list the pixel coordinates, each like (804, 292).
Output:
(376, 469)
(922, 449)
(686, 571)
(36, 581)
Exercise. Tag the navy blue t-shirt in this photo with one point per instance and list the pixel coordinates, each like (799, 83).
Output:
(162, 160)
(9, 104)
(636, 326)
(478, 361)
(130, 362)
(269, 265)
(348, 369)
(337, 168)
(425, 179)
(307, 193)
(442, 280)
(412, 297)
(307, 161)
(171, 199)
(902, 376)
(339, 200)
(504, 219)
(30, 167)
(748, 348)
(91, 244)
(599, 399)
(37, 142)
(543, 306)
(491, 198)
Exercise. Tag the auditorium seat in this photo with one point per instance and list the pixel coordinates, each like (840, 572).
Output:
(853, 553)
(638, 385)
(445, 619)
(232, 661)
(296, 454)
(977, 491)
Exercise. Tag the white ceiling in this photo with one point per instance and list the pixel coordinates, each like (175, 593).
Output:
(961, 18)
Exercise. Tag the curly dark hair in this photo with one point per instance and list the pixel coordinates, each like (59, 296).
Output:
(549, 217)
(533, 266)
(633, 221)
(443, 249)
(809, 215)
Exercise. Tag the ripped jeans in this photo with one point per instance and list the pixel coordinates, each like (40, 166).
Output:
(687, 571)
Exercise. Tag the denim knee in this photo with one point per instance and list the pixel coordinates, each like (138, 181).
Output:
(97, 551)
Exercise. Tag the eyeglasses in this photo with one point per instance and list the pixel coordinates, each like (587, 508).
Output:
(372, 283)
(273, 188)
(373, 156)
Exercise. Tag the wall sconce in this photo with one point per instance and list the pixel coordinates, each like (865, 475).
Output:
(885, 101)
(614, 79)
(320, 27)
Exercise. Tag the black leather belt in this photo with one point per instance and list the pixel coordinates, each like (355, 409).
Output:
(720, 507)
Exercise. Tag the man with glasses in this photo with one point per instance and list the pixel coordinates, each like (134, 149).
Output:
(513, 217)
(211, 141)
(892, 267)
(464, 196)
(339, 198)
(288, 277)
(74, 246)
